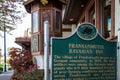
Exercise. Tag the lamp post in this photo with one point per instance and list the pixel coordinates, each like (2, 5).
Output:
(5, 49)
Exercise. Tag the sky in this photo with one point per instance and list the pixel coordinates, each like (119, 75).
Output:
(18, 32)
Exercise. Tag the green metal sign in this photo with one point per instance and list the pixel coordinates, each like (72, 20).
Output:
(85, 55)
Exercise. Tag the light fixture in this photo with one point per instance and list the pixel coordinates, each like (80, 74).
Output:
(82, 5)
(71, 19)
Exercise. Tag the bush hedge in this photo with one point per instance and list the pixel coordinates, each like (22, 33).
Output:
(1, 68)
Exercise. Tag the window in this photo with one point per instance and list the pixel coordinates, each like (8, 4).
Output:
(35, 21)
(58, 21)
(34, 43)
(92, 15)
(108, 18)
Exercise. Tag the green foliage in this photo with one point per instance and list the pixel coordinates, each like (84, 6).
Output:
(29, 75)
(44, 2)
(10, 68)
(11, 13)
(0, 71)
(1, 68)
(1, 65)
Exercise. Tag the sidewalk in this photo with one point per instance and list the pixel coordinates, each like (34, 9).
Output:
(6, 75)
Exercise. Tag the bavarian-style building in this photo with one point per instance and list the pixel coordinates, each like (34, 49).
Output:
(65, 15)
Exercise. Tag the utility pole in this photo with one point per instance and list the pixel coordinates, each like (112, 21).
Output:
(5, 68)
(4, 14)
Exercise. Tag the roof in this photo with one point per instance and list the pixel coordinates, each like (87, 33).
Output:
(28, 3)
(73, 11)
(23, 41)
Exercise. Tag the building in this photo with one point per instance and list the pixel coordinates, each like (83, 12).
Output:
(51, 12)
(24, 41)
(104, 14)
(65, 15)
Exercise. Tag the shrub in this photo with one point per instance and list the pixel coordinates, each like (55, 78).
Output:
(30, 74)
(20, 58)
(9, 68)
(1, 69)
(0, 72)
(22, 63)
(1, 65)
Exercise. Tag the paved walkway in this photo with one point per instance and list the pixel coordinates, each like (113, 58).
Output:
(6, 75)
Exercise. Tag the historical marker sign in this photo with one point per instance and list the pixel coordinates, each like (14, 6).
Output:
(85, 55)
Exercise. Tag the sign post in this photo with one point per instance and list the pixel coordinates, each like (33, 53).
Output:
(118, 56)
(46, 50)
(85, 55)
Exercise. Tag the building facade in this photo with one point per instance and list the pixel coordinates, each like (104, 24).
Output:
(104, 14)
(65, 15)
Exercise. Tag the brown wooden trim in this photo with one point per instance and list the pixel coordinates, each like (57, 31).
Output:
(35, 7)
(66, 30)
(36, 53)
(86, 16)
(51, 18)
(81, 18)
(23, 39)
(63, 1)
(97, 14)
(112, 38)
(112, 18)
(101, 20)
(90, 4)
(39, 20)
(28, 2)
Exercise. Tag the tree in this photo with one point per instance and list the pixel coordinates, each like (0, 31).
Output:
(11, 13)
